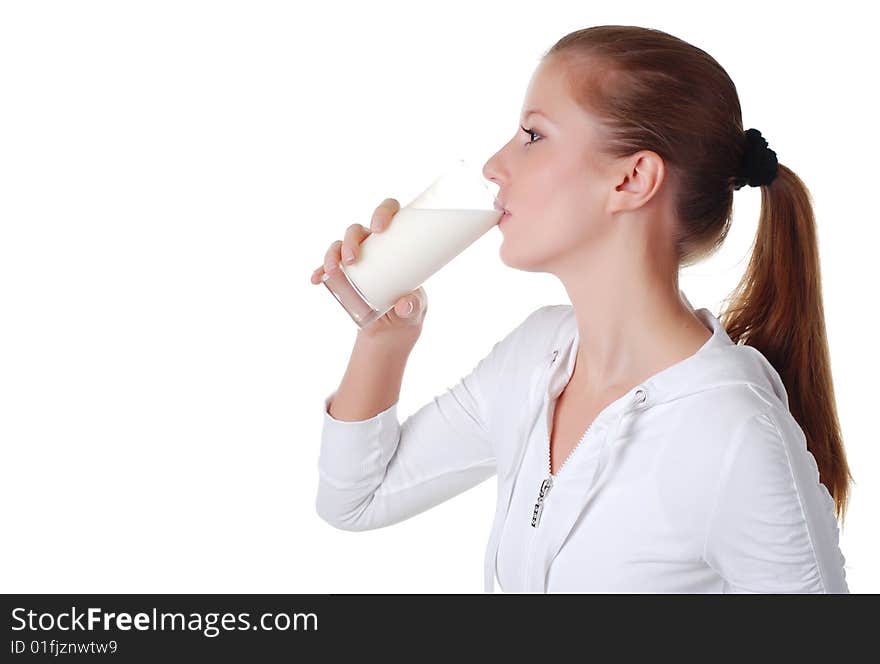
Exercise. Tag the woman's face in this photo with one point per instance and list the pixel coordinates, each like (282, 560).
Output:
(555, 187)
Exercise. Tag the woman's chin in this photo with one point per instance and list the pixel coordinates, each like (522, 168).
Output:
(510, 257)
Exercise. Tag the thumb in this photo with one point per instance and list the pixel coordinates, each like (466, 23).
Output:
(406, 307)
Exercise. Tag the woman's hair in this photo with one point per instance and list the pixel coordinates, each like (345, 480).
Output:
(652, 91)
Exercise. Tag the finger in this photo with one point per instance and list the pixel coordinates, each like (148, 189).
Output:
(405, 307)
(383, 214)
(332, 257)
(411, 304)
(420, 301)
(354, 235)
(317, 274)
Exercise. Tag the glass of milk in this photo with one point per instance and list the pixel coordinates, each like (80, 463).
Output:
(424, 235)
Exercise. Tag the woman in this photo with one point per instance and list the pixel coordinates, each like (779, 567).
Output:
(640, 446)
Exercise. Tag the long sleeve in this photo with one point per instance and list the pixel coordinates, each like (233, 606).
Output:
(774, 529)
(377, 472)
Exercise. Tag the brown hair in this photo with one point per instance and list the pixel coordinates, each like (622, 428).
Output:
(652, 91)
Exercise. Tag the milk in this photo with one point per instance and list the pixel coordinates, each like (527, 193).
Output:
(400, 258)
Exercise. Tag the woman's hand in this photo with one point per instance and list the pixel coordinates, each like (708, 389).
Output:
(404, 319)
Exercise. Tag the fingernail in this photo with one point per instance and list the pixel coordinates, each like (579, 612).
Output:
(347, 255)
(409, 309)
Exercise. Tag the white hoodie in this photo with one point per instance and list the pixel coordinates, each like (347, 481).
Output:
(697, 480)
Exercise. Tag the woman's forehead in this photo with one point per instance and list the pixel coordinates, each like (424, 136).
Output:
(549, 95)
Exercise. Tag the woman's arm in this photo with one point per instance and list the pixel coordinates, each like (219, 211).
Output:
(376, 471)
(774, 529)
(372, 380)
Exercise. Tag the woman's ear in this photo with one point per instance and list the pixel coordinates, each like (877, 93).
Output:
(637, 181)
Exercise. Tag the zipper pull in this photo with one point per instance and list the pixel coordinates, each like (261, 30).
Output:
(546, 485)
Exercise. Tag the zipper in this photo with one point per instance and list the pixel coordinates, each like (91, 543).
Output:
(547, 483)
(544, 490)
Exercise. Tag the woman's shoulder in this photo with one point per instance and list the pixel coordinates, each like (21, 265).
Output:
(530, 340)
(542, 330)
(547, 321)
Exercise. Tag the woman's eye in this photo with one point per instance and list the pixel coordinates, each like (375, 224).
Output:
(531, 135)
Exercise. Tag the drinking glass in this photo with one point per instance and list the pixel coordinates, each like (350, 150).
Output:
(422, 237)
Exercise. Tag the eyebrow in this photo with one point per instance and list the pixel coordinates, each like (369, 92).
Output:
(535, 111)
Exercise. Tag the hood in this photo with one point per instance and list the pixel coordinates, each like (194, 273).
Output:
(717, 363)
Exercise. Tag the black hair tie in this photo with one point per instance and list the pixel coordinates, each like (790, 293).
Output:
(759, 165)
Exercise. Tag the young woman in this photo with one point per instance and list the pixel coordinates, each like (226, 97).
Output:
(640, 445)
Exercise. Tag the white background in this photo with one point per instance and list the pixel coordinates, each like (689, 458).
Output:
(172, 172)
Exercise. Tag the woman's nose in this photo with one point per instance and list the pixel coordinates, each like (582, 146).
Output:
(490, 171)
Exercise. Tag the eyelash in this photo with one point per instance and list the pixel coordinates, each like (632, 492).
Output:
(530, 132)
